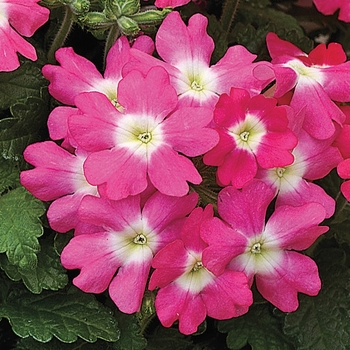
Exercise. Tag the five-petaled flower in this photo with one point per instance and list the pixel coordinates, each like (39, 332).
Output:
(269, 251)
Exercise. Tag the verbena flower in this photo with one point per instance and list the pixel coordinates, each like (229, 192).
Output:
(269, 253)
(187, 50)
(253, 131)
(188, 291)
(119, 255)
(145, 141)
(317, 79)
(19, 17)
(77, 74)
(58, 176)
(313, 160)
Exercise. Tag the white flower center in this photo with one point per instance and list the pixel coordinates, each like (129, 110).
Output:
(140, 134)
(280, 172)
(306, 73)
(248, 133)
(256, 248)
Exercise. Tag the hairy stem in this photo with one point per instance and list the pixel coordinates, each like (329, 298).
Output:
(61, 35)
(113, 35)
(229, 10)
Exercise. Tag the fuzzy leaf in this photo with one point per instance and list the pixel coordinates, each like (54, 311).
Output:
(28, 118)
(22, 83)
(322, 322)
(55, 344)
(130, 333)
(48, 274)
(9, 174)
(20, 227)
(258, 328)
(66, 315)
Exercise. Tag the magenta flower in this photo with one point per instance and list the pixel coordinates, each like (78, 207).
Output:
(58, 176)
(144, 141)
(77, 74)
(170, 3)
(313, 160)
(328, 7)
(23, 17)
(344, 172)
(188, 291)
(119, 256)
(253, 131)
(187, 51)
(269, 252)
(317, 79)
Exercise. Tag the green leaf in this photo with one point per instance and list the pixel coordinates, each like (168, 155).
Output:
(259, 328)
(48, 274)
(130, 333)
(9, 175)
(29, 117)
(20, 227)
(24, 82)
(55, 344)
(322, 322)
(66, 315)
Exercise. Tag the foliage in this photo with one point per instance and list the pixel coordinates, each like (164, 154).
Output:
(37, 299)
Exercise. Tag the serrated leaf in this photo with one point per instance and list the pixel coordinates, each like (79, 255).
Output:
(259, 328)
(66, 315)
(9, 174)
(24, 82)
(55, 344)
(130, 333)
(20, 227)
(28, 118)
(322, 322)
(48, 274)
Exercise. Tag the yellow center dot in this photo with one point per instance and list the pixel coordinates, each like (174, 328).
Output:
(197, 266)
(280, 172)
(196, 86)
(256, 248)
(145, 137)
(244, 136)
(140, 239)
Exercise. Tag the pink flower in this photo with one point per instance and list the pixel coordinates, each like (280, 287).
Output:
(119, 255)
(77, 74)
(170, 3)
(269, 252)
(145, 140)
(187, 51)
(328, 7)
(317, 79)
(25, 16)
(253, 131)
(58, 176)
(313, 160)
(344, 172)
(188, 291)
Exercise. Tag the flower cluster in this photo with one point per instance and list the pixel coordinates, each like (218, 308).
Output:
(122, 175)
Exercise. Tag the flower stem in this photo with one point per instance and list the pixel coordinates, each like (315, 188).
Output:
(61, 35)
(112, 37)
(229, 10)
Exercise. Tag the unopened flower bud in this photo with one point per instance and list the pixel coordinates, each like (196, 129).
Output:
(96, 20)
(79, 7)
(120, 8)
(128, 26)
(151, 16)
